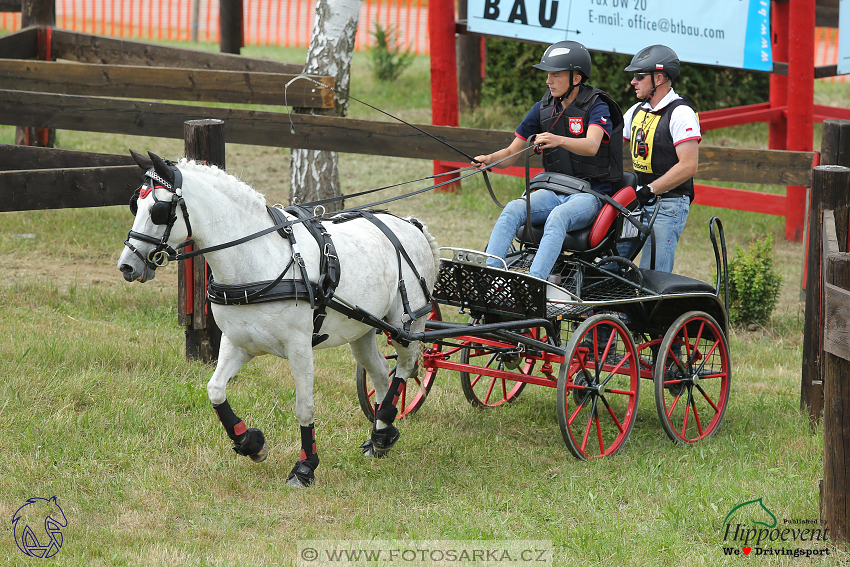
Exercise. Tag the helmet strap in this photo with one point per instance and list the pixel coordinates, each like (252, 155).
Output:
(566, 95)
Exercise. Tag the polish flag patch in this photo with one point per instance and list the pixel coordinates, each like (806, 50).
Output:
(688, 129)
(576, 125)
(603, 120)
(659, 66)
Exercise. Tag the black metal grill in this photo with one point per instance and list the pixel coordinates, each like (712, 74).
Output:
(490, 291)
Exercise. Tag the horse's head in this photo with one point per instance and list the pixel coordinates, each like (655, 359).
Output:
(157, 225)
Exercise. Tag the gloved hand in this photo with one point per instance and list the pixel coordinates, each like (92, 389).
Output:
(645, 196)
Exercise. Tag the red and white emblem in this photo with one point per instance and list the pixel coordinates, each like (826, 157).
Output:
(576, 126)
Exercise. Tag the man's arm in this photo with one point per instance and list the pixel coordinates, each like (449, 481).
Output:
(688, 153)
(517, 145)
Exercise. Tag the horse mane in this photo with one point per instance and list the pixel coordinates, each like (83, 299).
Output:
(221, 175)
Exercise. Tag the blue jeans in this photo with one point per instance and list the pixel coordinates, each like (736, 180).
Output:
(561, 213)
(667, 229)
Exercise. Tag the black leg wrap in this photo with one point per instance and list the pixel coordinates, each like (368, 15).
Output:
(387, 410)
(232, 425)
(253, 444)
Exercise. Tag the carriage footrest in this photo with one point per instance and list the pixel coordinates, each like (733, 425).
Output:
(664, 283)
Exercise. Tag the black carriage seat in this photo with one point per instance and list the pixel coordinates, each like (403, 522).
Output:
(666, 283)
(592, 236)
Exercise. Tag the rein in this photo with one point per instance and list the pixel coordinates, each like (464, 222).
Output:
(445, 143)
(159, 258)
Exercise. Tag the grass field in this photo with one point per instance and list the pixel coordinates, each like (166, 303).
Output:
(102, 410)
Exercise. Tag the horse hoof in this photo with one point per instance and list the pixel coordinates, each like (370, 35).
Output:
(381, 442)
(301, 475)
(262, 455)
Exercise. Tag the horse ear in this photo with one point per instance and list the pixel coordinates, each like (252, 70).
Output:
(162, 168)
(142, 161)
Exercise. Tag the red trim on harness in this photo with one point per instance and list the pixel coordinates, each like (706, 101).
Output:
(240, 428)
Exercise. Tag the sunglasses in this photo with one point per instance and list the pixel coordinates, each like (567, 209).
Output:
(640, 76)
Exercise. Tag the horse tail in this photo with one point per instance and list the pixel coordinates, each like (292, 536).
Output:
(432, 242)
(435, 248)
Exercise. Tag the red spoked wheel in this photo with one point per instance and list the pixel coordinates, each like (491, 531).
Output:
(598, 388)
(499, 364)
(692, 377)
(415, 390)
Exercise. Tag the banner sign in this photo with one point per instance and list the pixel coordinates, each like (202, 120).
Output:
(844, 37)
(731, 33)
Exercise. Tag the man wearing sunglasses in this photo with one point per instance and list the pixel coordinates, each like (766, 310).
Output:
(574, 124)
(664, 135)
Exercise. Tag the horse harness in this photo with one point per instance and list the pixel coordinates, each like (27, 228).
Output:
(320, 293)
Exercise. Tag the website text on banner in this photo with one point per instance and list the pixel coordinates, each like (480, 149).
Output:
(731, 33)
(844, 37)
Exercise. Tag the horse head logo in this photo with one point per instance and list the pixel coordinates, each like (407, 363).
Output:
(34, 512)
(754, 509)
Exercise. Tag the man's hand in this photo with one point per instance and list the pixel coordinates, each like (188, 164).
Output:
(645, 196)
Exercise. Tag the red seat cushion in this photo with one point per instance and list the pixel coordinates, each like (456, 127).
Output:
(606, 217)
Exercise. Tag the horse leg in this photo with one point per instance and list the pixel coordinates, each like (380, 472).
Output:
(384, 433)
(250, 442)
(301, 363)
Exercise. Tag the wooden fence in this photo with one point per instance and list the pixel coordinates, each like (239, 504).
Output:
(835, 499)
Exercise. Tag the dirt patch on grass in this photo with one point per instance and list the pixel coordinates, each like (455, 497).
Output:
(68, 273)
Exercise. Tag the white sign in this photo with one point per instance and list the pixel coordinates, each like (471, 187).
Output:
(731, 33)
(844, 37)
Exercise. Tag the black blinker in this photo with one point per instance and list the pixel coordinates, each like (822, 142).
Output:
(161, 212)
(134, 203)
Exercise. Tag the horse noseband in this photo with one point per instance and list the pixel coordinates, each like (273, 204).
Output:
(161, 213)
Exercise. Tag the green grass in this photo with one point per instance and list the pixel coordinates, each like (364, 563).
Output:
(102, 410)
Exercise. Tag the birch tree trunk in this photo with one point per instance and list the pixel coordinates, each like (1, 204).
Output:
(314, 174)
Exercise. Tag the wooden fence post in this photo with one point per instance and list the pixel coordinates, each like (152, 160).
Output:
(835, 500)
(827, 193)
(204, 141)
(469, 63)
(230, 26)
(40, 13)
(835, 143)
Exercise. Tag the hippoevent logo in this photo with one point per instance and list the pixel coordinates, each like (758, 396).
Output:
(38, 527)
(752, 529)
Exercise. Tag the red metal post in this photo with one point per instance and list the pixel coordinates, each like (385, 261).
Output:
(778, 132)
(444, 98)
(801, 95)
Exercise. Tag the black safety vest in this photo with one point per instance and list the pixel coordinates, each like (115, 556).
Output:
(607, 164)
(660, 153)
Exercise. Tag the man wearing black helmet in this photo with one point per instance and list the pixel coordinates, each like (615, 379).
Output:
(574, 124)
(664, 135)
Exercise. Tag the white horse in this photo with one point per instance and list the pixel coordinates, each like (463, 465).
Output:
(215, 209)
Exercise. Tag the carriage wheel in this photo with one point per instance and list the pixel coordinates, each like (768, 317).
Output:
(598, 388)
(483, 390)
(415, 390)
(692, 383)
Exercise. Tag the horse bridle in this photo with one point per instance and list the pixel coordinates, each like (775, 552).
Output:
(161, 213)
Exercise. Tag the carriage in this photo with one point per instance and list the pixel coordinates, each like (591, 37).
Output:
(595, 330)
(592, 330)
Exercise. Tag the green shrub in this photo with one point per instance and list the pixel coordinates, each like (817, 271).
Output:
(388, 60)
(754, 286)
(511, 79)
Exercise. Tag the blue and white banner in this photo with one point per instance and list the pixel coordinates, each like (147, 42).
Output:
(731, 33)
(844, 37)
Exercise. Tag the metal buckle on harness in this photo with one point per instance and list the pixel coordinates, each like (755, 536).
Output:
(328, 251)
(318, 208)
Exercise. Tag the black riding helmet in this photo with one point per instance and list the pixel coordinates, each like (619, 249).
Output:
(566, 56)
(654, 59)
